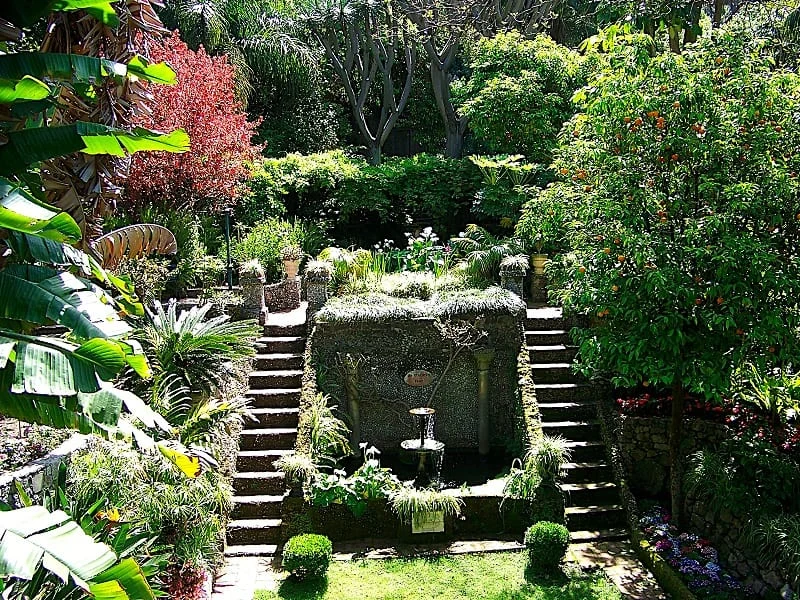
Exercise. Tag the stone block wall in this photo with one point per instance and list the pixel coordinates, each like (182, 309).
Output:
(644, 442)
(385, 352)
(283, 296)
(644, 449)
(39, 477)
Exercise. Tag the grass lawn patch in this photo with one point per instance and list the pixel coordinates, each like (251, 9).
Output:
(498, 576)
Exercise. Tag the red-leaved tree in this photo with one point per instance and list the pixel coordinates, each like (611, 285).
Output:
(203, 103)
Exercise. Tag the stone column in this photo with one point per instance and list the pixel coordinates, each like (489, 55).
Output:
(484, 359)
(253, 306)
(317, 284)
(512, 280)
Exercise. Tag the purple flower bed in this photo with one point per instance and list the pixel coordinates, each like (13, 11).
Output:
(693, 557)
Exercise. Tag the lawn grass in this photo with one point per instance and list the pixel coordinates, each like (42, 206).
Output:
(498, 576)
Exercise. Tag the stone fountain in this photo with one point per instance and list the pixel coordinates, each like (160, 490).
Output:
(427, 450)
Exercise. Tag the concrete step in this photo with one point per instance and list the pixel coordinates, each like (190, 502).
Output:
(569, 392)
(577, 431)
(553, 353)
(275, 417)
(564, 411)
(590, 494)
(280, 361)
(275, 330)
(581, 518)
(548, 317)
(583, 472)
(252, 550)
(552, 373)
(259, 460)
(274, 398)
(253, 532)
(601, 535)
(268, 439)
(288, 378)
(546, 337)
(259, 506)
(293, 343)
(259, 483)
(591, 451)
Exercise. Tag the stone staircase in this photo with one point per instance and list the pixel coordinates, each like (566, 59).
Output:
(259, 490)
(568, 409)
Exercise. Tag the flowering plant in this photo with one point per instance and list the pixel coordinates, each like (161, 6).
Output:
(695, 560)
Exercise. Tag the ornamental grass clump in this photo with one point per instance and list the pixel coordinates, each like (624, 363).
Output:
(307, 556)
(547, 544)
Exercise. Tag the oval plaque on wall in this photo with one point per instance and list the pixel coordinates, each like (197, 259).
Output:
(418, 378)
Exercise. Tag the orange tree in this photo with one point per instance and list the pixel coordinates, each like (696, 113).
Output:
(685, 247)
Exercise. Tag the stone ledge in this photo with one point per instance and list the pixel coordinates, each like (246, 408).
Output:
(38, 477)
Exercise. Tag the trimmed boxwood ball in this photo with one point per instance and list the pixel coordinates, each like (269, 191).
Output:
(547, 545)
(307, 555)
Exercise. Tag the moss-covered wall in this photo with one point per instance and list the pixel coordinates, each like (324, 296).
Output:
(385, 352)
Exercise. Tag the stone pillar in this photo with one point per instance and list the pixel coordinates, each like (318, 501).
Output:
(484, 359)
(253, 306)
(317, 284)
(512, 280)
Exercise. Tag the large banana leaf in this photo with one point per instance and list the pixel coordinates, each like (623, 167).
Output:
(31, 248)
(33, 539)
(25, 13)
(134, 241)
(22, 89)
(41, 295)
(21, 211)
(29, 146)
(77, 68)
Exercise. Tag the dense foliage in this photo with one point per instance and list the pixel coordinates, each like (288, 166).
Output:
(519, 93)
(359, 203)
(203, 103)
(307, 555)
(547, 544)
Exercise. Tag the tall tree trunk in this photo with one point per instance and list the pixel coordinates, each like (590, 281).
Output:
(455, 126)
(675, 454)
(674, 39)
(374, 155)
(719, 6)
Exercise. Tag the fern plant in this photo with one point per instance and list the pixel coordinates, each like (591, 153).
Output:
(483, 252)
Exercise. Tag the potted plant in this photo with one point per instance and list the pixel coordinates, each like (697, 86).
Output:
(539, 258)
(424, 511)
(291, 255)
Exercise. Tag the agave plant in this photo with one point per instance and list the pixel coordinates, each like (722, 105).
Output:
(198, 350)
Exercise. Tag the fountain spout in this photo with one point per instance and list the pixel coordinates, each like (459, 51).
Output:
(427, 450)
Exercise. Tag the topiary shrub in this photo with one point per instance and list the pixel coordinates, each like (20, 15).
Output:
(307, 555)
(547, 545)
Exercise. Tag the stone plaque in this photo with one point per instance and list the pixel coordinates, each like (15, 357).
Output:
(427, 522)
(418, 378)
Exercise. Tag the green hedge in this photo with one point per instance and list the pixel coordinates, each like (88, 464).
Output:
(381, 308)
(361, 203)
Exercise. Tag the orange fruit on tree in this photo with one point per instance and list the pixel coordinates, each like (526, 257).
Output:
(581, 269)
(720, 300)
(676, 104)
(607, 250)
(621, 258)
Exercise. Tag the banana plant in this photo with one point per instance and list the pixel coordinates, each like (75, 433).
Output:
(37, 545)
(141, 239)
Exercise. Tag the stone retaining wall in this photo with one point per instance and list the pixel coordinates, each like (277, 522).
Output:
(644, 446)
(39, 477)
(283, 296)
(383, 353)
